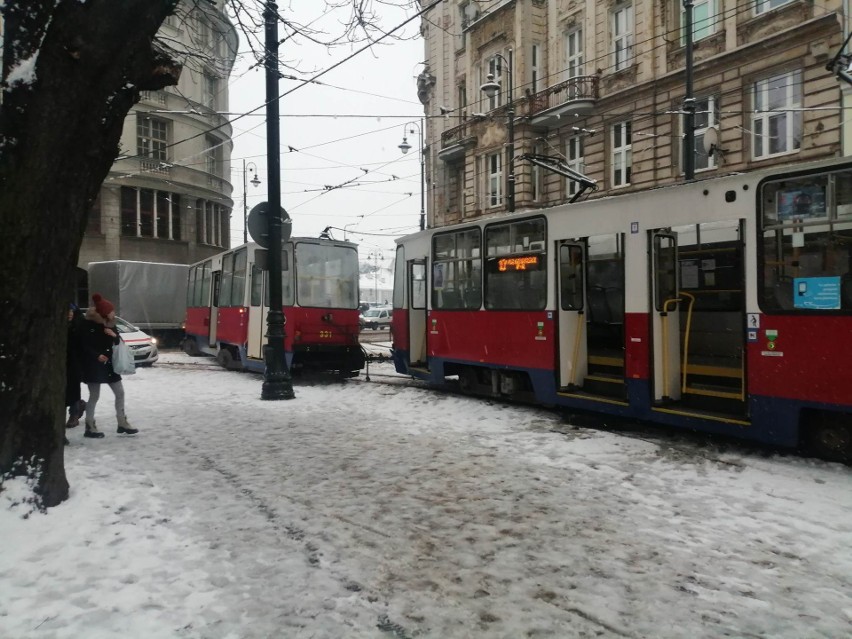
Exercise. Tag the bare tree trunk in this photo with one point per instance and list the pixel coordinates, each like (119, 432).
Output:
(58, 138)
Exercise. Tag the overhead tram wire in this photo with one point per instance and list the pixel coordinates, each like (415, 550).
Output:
(303, 82)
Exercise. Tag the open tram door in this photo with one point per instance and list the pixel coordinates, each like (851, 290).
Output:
(591, 317)
(665, 317)
(573, 351)
(417, 312)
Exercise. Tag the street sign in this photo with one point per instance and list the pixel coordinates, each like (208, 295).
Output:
(258, 224)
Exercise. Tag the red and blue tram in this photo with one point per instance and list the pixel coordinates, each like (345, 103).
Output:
(722, 305)
(228, 301)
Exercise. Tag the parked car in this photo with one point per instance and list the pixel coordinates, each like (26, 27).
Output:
(376, 318)
(142, 345)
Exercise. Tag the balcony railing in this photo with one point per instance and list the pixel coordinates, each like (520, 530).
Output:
(578, 91)
(455, 135)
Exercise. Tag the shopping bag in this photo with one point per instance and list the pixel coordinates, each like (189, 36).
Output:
(122, 359)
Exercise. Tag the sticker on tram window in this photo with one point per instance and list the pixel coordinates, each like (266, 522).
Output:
(821, 293)
(801, 202)
(515, 263)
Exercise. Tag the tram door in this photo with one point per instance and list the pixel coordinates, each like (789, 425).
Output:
(665, 316)
(214, 307)
(257, 313)
(417, 288)
(573, 351)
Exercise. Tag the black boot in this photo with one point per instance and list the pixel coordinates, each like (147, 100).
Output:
(124, 427)
(92, 431)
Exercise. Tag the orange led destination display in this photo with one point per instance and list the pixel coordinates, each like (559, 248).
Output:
(517, 263)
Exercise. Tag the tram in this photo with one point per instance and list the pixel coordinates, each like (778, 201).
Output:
(228, 301)
(721, 305)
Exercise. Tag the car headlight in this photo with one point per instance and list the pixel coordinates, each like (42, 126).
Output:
(153, 341)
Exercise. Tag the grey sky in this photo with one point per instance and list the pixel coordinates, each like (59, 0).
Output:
(379, 84)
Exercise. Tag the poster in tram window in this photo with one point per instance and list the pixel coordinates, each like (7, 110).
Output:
(801, 202)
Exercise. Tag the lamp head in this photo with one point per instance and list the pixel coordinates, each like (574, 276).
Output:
(490, 88)
(255, 181)
(405, 147)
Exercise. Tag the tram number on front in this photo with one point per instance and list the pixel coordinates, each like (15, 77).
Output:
(324, 334)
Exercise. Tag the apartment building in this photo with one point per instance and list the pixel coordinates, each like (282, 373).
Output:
(167, 197)
(597, 89)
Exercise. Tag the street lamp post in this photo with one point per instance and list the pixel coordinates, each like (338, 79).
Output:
(405, 147)
(277, 383)
(491, 88)
(255, 181)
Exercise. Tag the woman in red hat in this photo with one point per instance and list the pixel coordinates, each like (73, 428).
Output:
(97, 337)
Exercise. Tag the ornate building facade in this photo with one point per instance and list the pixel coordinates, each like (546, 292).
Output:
(597, 89)
(167, 197)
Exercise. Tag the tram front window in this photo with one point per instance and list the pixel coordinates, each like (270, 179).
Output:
(326, 276)
(807, 243)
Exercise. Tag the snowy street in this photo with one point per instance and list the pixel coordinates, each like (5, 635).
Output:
(368, 510)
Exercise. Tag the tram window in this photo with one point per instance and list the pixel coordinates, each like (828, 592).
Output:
(457, 270)
(206, 281)
(418, 285)
(399, 278)
(238, 288)
(571, 277)
(665, 270)
(326, 275)
(227, 281)
(516, 274)
(256, 285)
(806, 250)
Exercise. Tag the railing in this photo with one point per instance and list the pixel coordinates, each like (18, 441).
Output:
(157, 167)
(455, 134)
(582, 87)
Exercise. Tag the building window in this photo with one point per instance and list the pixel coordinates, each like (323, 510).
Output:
(535, 67)
(152, 138)
(148, 213)
(776, 125)
(494, 185)
(762, 6)
(622, 36)
(706, 116)
(494, 66)
(573, 54)
(621, 154)
(213, 155)
(575, 161)
(704, 19)
(211, 91)
(462, 97)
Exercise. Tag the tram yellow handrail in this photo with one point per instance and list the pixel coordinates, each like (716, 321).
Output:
(665, 331)
(686, 338)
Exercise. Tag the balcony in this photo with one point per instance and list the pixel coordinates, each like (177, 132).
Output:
(573, 96)
(455, 141)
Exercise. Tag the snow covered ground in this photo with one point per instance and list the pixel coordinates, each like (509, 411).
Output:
(363, 510)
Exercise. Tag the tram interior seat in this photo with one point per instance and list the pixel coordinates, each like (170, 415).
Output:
(715, 336)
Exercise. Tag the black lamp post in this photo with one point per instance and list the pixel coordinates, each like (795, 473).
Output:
(492, 88)
(688, 99)
(255, 182)
(405, 147)
(276, 378)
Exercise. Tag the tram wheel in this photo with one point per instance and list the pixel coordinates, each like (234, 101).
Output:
(226, 359)
(190, 347)
(830, 438)
(467, 380)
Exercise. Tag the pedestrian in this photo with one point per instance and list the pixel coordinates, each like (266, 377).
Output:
(73, 368)
(98, 335)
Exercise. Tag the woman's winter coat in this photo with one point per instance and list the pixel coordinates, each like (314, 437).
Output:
(94, 342)
(73, 359)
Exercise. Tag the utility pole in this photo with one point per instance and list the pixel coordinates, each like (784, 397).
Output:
(277, 383)
(688, 100)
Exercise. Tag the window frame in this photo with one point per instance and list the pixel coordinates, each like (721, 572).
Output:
(493, 179)
(622, 42)
(574, 62)
(762, 119)
(712, 13)
(577, 163)
(448, 274)
(762, 7)
(147, 144)
(624, 151)
(541, 253)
